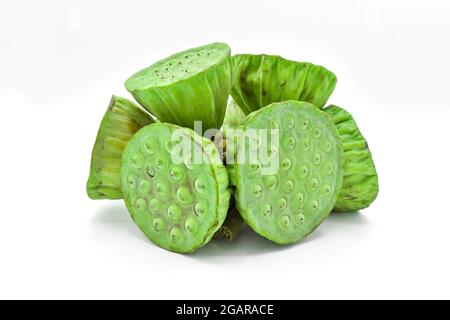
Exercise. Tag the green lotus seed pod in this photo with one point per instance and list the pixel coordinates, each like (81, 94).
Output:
(291, 186)
(120, 122)
(175, 186)
(360, 186)
(234, 117)
(232, 225)
(192, 85)
(259, 80)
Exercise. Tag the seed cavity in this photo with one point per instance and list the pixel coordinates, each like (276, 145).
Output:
(199, 186)
(137, 161)
(299, 218)
(257, 191)
(281, 203)
(284, 221)
(300, 198)
(131, 182)
(304, 124)
(327, 146)
(177, 174)
(317, 132)
(151, 172)
(144, 186)
(267, 210)
(155, 205)
(183, 195)
(304, 171)
(290, 143)
(286, 164)
(162, 189)
(288, 186)
(140, 205)
(314, 184)
(306, 144)
(316, 159)
(174, 213)
(315, 205)
(270, 182)
(175, 234)
(289, 122)
(161, 163)
(199, 209)
(159, 224)
(149, 148)
(191, 225)
(326, 190)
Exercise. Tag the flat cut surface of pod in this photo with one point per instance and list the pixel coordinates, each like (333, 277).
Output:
(289, 203)
(179, 205)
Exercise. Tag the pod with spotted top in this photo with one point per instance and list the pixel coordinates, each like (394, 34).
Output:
(360, 186)
(189, 86)
(121, 121)
(291, 186)
(175, 186)
(259, 80)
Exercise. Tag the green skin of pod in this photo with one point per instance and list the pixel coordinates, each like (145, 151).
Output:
(287, 206)
(259, 80)
(234, 117)
(360, 186)
(192, 85)
(179, 207)
(120, 122)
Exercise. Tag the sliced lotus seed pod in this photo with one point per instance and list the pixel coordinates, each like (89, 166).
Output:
(175, 186)
(192, 85)
(121, 121)
(259, 80)
(360, 186)
(291, 183)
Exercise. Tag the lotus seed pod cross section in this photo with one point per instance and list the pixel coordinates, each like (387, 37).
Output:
(120, 122)
(192, 85)
(178, 200)
(360, 186)
(259, 80)
(287, 204)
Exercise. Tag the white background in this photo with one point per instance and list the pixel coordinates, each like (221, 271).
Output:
(61, 60)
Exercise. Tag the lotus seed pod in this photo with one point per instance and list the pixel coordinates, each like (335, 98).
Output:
(192, 85)
(360, 186)
(234, 117)
(291, 186)
(259, 80)
(175, 186)
(232, 225)
(121, 121)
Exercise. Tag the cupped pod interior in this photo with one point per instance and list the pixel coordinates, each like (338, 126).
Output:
(179, 200)
(360, 185)
(293, 184)
(121, 121)
(188, 86)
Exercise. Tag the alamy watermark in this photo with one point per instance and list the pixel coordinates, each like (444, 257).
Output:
(255, 147)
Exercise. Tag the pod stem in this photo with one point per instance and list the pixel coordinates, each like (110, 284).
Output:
(231, 227)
